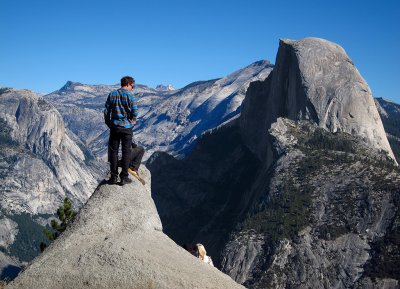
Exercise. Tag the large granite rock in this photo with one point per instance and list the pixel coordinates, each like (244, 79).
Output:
(117, 241)
(312, 79)
(40, 161)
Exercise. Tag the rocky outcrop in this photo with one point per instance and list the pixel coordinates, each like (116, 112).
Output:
(116, 241)
(313, 79)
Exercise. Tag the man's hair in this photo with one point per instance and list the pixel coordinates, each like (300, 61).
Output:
(126, 80)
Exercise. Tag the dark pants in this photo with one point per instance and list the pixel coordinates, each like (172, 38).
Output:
(124, 136)
(137, 155)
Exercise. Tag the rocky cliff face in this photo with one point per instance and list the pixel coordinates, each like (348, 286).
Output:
(40, 164)
(390, 115)
(116, 241)
(202, 197)
(296, 192)
(313, 79)
(329, 218)
(326, 214)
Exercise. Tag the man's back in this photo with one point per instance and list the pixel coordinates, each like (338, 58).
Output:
(121, 108)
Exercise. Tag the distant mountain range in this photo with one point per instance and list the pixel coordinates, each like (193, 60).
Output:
(169, 120)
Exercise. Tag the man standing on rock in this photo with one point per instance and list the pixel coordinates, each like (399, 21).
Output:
(120, 116)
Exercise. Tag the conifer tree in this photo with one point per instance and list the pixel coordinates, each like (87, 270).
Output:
(65, 214)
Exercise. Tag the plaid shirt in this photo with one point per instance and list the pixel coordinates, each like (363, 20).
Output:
(121, 109)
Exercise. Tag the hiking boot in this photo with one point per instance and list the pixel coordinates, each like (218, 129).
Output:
(113, 180)
(136, 175)
(125, 181)
(133, 173)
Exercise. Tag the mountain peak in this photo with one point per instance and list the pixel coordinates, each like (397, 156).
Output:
(314, 79)
(167, 87)
(69, 85)
(262, 62)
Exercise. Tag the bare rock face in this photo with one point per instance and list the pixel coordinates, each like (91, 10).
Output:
(313, 79)
(328, 219)
(117, 241)
(242, 256)
(8, 231)
(390, 115)
(41, 163)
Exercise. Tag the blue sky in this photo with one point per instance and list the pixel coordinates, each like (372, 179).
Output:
(46, 43)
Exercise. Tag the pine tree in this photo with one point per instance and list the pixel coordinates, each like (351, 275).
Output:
(65, 215)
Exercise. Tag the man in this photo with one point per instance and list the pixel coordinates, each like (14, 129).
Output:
(135, 161)
(120, 116)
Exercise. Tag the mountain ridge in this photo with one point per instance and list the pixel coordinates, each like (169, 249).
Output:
(168, 120)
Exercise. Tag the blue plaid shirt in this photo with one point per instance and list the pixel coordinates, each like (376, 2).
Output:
(121, 109)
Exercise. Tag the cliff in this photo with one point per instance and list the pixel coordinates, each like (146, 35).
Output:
(313, 79)
(42, 163)
(302, 189)
(116, 241)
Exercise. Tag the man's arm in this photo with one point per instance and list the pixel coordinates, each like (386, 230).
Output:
(133, 107)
